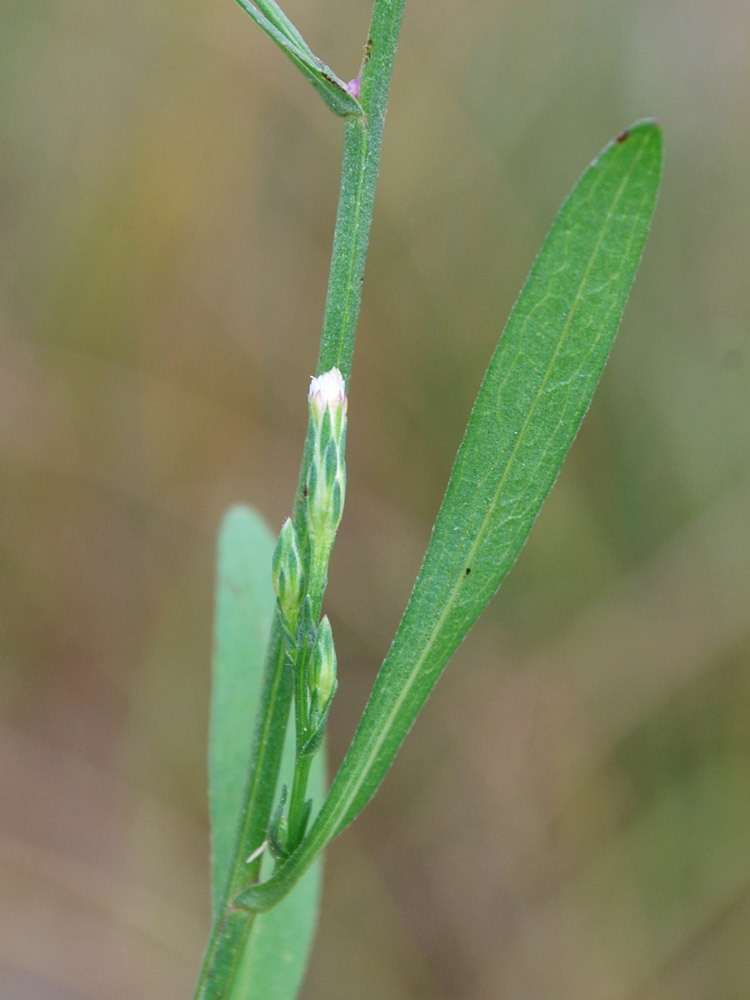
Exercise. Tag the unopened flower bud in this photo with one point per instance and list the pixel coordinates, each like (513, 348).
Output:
(324, 664)
(327, 392)
(326, 479)
(287, 573)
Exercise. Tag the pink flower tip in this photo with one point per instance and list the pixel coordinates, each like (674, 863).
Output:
(353, 87)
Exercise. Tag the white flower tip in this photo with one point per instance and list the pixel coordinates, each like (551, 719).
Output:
(327, 391)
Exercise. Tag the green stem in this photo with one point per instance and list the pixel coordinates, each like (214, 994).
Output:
(359, 174)
(297, 802)
(361, 160)
(362, 145)
(302, 763)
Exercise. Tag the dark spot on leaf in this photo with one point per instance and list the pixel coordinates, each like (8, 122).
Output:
(304, 491)
(468, 570)
(623, 135)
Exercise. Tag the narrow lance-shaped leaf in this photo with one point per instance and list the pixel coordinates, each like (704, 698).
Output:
(276, 16)
(242, 625)
(244, 612)
(537, 388)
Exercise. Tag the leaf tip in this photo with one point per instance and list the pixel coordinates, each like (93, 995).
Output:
(650, 141)
(648, 128)
(237, 517)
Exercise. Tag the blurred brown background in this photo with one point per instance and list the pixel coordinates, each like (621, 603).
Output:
(569, 818)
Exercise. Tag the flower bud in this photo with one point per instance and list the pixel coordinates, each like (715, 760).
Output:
(287, 574)
(327, 392)
(324, 664)
(326, 479)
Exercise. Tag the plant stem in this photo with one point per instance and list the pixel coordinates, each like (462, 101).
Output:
(362, 145)
(301, 763)
(297, 802)
(361, 159)
(359, 174)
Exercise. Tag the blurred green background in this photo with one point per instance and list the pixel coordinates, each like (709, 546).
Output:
(569, 817)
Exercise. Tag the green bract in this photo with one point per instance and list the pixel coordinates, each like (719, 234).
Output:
(288, 575)
(323, 674)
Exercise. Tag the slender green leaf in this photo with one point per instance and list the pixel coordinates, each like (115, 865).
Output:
(537, 388)
(330, 87)
(273, 13)
(244, 611)
(274, 959)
